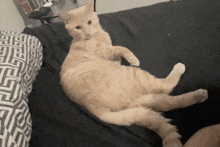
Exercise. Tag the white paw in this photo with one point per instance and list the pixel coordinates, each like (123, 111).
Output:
(180, 68)
(130, 57)
(136, 62)
(202, 95)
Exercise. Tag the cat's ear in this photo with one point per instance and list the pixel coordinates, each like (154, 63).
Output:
(91, 6)
(64, 16)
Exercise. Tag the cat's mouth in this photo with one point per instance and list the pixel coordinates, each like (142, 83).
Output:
(88, 37)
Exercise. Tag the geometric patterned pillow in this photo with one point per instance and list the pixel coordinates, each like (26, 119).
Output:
(20, 60)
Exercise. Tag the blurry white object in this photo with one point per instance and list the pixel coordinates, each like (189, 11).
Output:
(48, 3)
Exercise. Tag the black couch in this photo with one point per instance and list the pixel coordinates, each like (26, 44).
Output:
(160, 35)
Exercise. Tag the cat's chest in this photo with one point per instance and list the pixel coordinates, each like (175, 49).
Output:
(92, 46)
(101, 38)
(98, 40)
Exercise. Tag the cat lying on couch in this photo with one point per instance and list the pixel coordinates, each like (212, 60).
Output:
(93, 77)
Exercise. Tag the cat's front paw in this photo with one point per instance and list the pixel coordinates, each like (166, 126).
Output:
(130, 57)
(179, 68)
(201, 95)
(136, 62)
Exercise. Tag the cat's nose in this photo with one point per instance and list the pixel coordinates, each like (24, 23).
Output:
(87, 32)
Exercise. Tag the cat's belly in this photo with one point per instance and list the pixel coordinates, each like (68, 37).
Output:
(105, 85)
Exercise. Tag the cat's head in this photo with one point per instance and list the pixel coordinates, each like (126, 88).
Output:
(81, 23)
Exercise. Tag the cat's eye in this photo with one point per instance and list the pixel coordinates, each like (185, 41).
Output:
(78, 27)
(90, 22)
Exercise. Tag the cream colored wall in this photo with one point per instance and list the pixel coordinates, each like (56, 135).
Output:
(10, 18)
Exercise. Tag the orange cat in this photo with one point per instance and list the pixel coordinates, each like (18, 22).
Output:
(93, 77)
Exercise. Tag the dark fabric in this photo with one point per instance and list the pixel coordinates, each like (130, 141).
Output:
(160, 36)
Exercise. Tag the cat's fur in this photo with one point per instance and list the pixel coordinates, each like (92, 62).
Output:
(93, 77)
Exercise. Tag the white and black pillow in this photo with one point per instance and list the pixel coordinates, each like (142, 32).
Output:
(20, 60)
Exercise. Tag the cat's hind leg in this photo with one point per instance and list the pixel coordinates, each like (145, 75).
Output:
(147, 118)
(176, 73)
(164, 102)
(173, 78)
(166, 85)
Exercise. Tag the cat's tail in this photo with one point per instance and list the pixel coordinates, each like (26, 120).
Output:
(147, 118)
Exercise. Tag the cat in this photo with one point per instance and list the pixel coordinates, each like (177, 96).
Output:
(92, 76)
